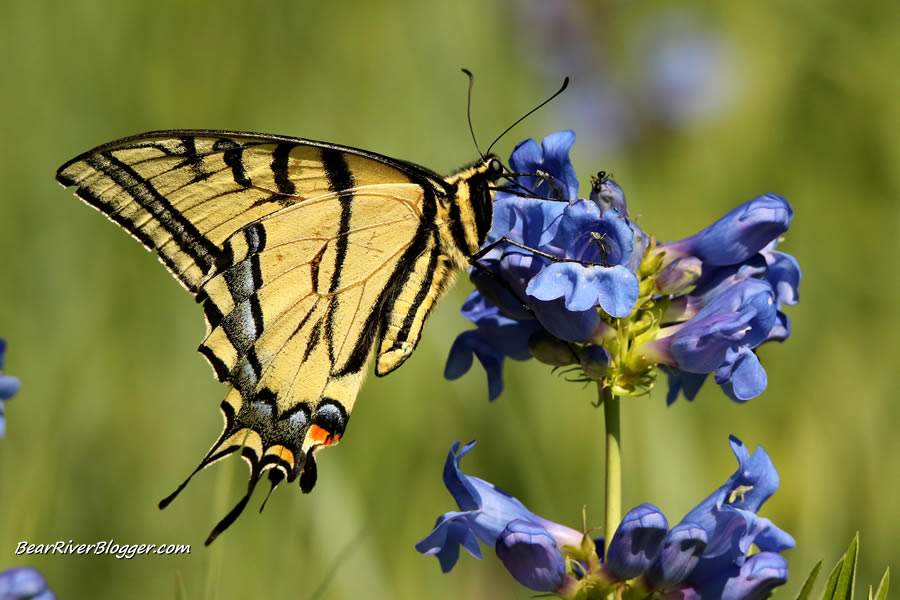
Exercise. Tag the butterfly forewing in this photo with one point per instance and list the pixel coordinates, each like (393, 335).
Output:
(304, 255)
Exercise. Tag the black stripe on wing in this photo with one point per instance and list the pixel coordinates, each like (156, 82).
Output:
(186, 236)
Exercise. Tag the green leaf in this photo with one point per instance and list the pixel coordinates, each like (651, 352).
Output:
(843, 577)
(881, 594)
(810, 582)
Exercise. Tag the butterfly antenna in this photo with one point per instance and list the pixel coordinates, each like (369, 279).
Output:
(530, 112)
(469, 109)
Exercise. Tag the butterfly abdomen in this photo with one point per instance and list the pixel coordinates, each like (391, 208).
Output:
(461, 223)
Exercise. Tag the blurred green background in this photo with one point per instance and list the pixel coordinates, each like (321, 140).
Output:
(797, 97)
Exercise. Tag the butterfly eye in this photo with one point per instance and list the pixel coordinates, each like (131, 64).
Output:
(496, 166)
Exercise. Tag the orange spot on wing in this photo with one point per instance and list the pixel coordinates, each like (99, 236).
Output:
(322, 437)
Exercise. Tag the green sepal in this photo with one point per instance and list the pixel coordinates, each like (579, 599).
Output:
(582, 552)
(843, 577)
(651, 262)
(810, 582)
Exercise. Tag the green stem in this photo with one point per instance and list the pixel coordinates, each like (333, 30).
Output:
(613, 514)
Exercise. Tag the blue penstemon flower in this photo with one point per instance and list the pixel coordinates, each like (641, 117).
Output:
(576, 283)
(9, 385)
(24, 583)
(526, 543)
(707, 555)
(582, 275)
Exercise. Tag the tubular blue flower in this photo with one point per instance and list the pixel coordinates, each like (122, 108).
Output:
(680, 381)
(531, 555)
(24, 583)
(581, 272)
(754, 580)
(679, 275)
(740, 234)
(728, 515)
(707, 555)
(681, 552)
(720, 337)
(496, 338)
(784, 275)
(551, 159)
(487, 513)
(8, 387)
(586, 235)
(637, 541)
(741, 376)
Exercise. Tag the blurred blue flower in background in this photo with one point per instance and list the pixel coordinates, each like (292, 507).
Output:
(688, 68)
(24, 583)
(670, 70)
(8, 387)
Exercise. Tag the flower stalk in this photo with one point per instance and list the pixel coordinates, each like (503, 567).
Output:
(613, 504)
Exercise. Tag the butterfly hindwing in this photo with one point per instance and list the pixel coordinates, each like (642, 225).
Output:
(307, 258)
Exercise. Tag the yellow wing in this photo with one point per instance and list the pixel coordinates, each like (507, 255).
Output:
(305, 255)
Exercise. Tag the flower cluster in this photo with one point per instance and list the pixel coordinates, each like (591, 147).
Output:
(8, 387)
(574, 281)
(707, 555)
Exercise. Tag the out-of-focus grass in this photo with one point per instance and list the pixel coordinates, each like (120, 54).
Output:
(116, 407)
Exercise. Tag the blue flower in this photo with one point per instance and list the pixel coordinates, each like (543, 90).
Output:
(587, 257)
(678, 556)
(531, 555)
(597, 246)
(739, 235)
(707, 555)
(728, 515)
(564, 274)
(746, 299)
(496, 338)
(24, 583)
(526, 543)
(740, 316)
(753, 580)
(783, 274)
(8, 386)
(551, 159)
(719, 338)
(637, 541)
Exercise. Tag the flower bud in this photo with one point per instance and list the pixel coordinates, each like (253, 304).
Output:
(606, 193)
(637, 542)
(530, 554)
(551, 350)
(679, 276)
(595, 361)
